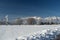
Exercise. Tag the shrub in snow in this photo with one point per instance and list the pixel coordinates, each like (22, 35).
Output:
(57, 37)
(44, 35)
(31, 21)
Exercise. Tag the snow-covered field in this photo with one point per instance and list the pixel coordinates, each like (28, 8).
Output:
(11, 32)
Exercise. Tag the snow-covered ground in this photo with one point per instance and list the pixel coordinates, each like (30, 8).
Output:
(11, 32)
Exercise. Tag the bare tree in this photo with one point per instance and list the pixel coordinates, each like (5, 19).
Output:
(18, 21)
(57, 37)
(31, 21)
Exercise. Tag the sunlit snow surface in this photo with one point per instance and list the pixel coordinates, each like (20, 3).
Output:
(13, 32)
(48, 34)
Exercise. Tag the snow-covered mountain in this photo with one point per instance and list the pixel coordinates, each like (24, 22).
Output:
(40, 20)
(32, 20)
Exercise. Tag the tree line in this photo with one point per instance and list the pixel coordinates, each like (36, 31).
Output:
(32, 21)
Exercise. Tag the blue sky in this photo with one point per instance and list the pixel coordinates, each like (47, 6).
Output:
(20, 8)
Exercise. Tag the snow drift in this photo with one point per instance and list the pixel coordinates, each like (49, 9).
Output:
(49, 34)
(11, 32)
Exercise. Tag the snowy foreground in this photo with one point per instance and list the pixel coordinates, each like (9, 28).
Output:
(48, 34)
(13, 32)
